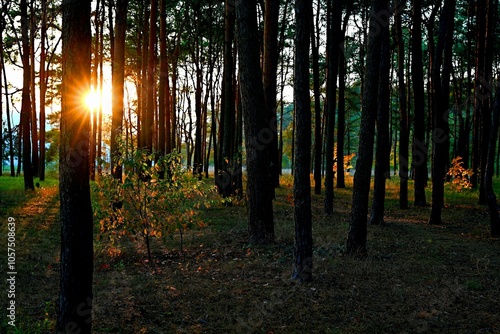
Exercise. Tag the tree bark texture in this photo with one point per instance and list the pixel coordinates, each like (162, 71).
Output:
(383, 152)
(303, 257)
(259, 186)
(75, 299)
(333, 50)
(270, 72)
(441, 70)
(419, 147)
(25, 102)
(356, 239)
(118, 78)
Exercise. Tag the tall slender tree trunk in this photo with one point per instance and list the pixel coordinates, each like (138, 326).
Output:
(356, 239)
(334, 28)
(149, 113)
(76, 297)
(118, 79)
(101, 84)
(198, 146)
(25, 103)
(441, 71)
(303, 256)
(259, 187)
(382, 170)
(35, 161)
(490, 166)
(9, 123)
(224, 178)
(341, 108)
(43, 88)
(419, 147)
(404, 133)
(270, 72)
(1, 98)
(318, 146)
(163, 88)
(486, 92)
(94, 83)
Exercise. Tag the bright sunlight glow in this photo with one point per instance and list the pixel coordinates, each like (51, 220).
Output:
(92, 100)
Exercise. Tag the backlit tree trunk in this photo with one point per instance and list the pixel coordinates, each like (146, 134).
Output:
(43, 88)
(75, 299)
(259, 187)
(118, 77)
(25, 102)
(35, 161)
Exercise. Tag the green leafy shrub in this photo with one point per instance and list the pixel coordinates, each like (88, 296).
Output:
(154, 200)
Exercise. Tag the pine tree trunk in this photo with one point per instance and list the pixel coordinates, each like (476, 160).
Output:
(270, 68)
(25, 102)
(198, 147)
(1, 101)
(318, 146)
(75, 299)
(259, 187)
(356, 239)
(303, 256)
(404, 134)
(419, 147)
(118, 78)
(383, 152)
(35, 161)
(490, 166)
(333, 38)
(43, 88)
(441, 69)
(224, 178)
(163, 97)
(9, 123)
(94, 83)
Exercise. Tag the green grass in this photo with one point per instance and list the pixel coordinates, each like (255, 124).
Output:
(416, 278)
(13, 195)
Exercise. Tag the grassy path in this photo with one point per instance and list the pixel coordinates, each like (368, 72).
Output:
(37, 259)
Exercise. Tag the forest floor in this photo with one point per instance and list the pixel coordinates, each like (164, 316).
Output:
(416, 278)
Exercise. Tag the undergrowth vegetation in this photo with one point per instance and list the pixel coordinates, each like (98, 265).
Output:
(151, 200)
(416, 278)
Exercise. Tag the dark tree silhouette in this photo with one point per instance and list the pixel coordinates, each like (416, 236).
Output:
(490, 166)
(118, 73)
(383, 140)
(75, 299)
(259, 185)
(303, 257)
(404, 132)
(25, 102)
(334, 27)
(269, 69)
(419, 148)
(441, 70)
(224, 179)
(356, 240)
